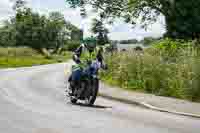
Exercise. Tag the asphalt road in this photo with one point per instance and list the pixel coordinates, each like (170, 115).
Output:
(32, 100)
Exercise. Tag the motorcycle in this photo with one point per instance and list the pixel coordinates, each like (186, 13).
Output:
(86, 89)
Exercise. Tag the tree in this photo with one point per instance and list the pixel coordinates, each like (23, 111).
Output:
(8, 31)
(99, 29)
(76, 35)
(8, 34)
(182, 17)
(56, 29)
(28, 28)
(38, 31)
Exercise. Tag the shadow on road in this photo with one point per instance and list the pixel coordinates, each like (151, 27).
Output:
(93, 106)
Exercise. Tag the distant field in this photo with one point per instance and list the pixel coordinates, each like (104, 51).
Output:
(20, 57)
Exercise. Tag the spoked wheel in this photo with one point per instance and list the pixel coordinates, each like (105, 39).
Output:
(93, 93)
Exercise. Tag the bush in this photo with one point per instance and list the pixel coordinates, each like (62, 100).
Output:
(150, 72)
(169, 47)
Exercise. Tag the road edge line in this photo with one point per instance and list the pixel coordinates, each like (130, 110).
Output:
(147, 106)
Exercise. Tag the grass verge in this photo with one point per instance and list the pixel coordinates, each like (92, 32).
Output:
(24, 57)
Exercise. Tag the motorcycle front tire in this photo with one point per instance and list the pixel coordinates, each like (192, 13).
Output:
(94, 93)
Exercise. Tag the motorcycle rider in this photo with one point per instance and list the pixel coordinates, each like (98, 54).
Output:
(83, 56)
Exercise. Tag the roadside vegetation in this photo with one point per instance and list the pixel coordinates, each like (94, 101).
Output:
(171, 66)
(29, 38)
(168, 68)
(23, 56)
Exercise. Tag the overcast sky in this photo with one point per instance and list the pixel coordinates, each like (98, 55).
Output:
(118, 31)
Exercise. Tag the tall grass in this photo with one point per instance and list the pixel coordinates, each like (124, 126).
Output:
(162, 71)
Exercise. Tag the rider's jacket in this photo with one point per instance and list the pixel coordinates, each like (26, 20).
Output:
(82, 55)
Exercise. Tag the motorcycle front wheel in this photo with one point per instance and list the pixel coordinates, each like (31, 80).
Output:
(94, 86)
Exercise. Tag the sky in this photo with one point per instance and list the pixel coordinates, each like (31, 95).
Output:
(118, 31)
